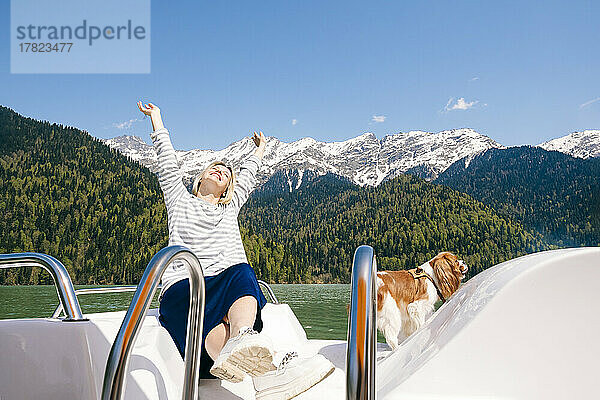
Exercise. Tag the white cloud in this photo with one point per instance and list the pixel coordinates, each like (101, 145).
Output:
(294, 121)
(587, 103)
(460, 104)
(475, 78)
(378, 118)
(125, 124)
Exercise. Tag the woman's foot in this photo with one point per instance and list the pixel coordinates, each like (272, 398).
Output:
(247, 353)
(293, 376)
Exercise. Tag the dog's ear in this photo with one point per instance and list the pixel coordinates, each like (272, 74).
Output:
(459, 268)
(447, 271)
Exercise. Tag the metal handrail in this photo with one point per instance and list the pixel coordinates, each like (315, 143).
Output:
(362, 335)
(113, 289)
(269, 291)
(62, 281)
(116, 365)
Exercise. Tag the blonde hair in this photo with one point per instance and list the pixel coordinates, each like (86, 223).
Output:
(227, 194)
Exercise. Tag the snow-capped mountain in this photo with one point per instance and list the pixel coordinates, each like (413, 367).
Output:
(584, 144)
(364, 160)
(133, 147)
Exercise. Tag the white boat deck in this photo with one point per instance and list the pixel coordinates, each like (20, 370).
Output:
(524, 329)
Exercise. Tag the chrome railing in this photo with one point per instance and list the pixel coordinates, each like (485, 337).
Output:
(362, 333)
(116, 365)
(62, 281)
(266, 286)
(113, 289)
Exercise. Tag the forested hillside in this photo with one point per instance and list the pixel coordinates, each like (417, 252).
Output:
(311, 234)
(550, 192)
(64, 193)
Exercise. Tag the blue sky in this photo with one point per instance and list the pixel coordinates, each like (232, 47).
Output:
(333, 70)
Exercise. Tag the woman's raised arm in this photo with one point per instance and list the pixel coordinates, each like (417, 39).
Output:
(169, 175)
(246, 179)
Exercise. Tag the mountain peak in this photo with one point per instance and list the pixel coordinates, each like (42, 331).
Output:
(583, 144)
(364, 159)
(126, 138)
(367, 136)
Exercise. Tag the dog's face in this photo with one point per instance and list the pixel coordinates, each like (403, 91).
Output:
(449, 272)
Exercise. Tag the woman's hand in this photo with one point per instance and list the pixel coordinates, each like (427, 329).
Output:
(261, 142)
(153, 112)
(148, 109)
(259, 139)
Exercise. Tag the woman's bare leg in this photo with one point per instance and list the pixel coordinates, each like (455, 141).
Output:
(242, 313)
(216, 339)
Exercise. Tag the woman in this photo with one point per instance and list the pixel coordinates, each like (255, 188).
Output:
(205, 221)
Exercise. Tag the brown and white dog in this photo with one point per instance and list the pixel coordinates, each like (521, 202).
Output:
(406, 298)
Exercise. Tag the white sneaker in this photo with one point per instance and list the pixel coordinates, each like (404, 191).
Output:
(247, 353)
(293, 376)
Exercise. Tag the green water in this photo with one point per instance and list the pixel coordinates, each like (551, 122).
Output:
(321, 309)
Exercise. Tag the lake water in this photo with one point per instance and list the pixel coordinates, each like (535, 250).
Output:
(321, 309)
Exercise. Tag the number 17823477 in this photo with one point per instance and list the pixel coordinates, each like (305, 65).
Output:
(45, 47)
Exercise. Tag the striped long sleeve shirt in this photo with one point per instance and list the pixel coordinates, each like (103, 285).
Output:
(210, 231)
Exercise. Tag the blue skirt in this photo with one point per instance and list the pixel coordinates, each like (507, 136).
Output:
(221, 291)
